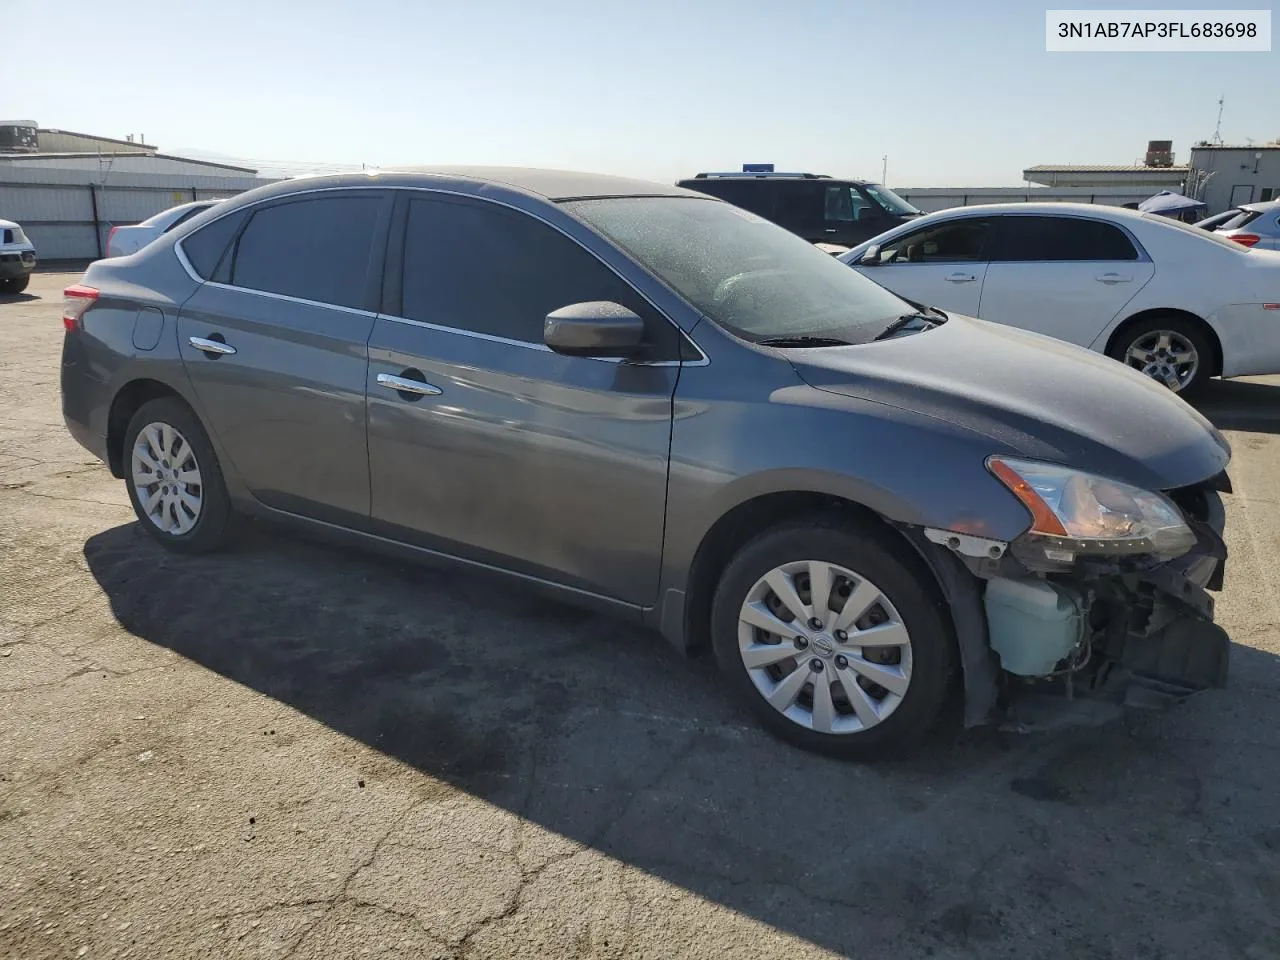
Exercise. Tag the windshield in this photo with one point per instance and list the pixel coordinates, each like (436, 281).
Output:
(890, 200)
(743, 272)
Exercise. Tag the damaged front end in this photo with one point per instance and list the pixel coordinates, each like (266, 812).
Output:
(1106, 596)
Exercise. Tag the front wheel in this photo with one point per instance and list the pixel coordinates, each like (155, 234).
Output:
(173, 477)
(1171, 350)
(15, 285)
(833, 637)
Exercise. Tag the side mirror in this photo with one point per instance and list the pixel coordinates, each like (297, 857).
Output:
(871, 256)
(597, 328)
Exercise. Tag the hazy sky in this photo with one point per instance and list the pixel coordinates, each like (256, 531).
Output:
(955, 92)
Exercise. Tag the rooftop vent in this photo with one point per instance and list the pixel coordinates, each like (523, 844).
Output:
(19, 136)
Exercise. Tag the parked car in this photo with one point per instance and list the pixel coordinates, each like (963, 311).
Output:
(1179, 304)
(657, 404)
(122, 241)
(1217, 220)
(17, 258)
(1255, 225)
(814, 206)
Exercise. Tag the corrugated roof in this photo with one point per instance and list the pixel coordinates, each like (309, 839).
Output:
(1102, 168)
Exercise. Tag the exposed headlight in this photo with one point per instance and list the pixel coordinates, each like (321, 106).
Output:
(1076, 513)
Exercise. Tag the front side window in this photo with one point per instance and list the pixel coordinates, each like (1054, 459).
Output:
(478, 267)
(847, 204)
(1027, 239)
(955, 241)
(317, 248)
(743, 272)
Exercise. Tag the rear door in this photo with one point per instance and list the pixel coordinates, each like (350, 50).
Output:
(508, 453)
(1063, 276)
(940, 265)
(276, 346)
(799, 206)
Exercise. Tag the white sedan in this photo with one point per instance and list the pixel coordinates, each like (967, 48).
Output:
(1179, 304)
(122, 241)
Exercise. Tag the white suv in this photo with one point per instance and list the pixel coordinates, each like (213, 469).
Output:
(17, 258)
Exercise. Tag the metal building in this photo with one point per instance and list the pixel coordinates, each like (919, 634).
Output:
(69, 189)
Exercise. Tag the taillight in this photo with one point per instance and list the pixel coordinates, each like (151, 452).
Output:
(1247, 239)
(75, 301)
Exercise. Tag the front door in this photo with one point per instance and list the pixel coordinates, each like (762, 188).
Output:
(942, 265)
(1065, 277)
(277, 354)
(502, 451)
(851, 216)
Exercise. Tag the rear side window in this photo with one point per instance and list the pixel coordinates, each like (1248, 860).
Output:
(8, 235)
(205, 247)
(800, 202)
(1025, 239)
(314, 249)
(483, 269)
(184, 218)
(753, 195)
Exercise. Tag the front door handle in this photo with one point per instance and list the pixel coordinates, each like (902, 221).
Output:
(1112, 278)
(412, 384)
(960, 278)
(218, 347)
(832, 230)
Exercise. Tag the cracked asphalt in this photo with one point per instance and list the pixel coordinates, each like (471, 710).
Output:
(287, 750)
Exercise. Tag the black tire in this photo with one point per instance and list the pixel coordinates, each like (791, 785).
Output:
(211, 528)
(15, 285)
(902, 579)
(1190, 330)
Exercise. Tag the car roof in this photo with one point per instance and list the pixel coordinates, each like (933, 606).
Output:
(554, 185)
(1047, 208)
(1261, 207)
(9, 225)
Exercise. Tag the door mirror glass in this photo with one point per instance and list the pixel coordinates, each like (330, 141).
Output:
(871, 256)
(597, 328)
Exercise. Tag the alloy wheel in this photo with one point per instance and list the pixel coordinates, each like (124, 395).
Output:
(1166, 356)
(824, 647)
(166, 479)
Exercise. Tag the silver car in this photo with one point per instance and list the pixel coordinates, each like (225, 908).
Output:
(1255, 225)
(646, 400)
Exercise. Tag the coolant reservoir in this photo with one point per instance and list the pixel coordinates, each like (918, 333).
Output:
(1032, 624)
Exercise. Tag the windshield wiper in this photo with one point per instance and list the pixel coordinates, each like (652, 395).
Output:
(803, 342)
(905, 321)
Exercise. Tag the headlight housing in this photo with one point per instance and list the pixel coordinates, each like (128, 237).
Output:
(1081, 514)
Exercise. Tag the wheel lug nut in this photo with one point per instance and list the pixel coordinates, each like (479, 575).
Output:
(815, 665)
(801, 643)
(842, 661)
(815, 623)
(841, 636)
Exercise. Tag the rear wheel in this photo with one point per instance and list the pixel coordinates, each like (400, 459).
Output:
(173, 477)
(832, 637)
(16, 285)
(1171, 350)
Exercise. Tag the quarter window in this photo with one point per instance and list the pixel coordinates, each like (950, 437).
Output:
(205, 248)
(484, 269)
(957, 241)
(314, 249)
(1062, 238)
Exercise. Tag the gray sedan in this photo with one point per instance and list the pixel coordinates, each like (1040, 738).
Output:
(646, 400)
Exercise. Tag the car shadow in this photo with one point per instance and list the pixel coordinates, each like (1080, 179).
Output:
(1248, 405)
(594, 729)
(18, 297)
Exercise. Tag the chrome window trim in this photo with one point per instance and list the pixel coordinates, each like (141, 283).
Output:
(702, 360)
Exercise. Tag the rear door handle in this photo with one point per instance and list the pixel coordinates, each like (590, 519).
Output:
(217, 347)
(1112, 278)
(413, 385)
(960, 278)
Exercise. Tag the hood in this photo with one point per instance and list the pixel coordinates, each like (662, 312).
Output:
(1031, 395)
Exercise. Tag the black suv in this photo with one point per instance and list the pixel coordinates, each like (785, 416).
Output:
(815, 206)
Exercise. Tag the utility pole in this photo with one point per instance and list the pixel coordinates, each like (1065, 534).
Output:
(884, 170)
